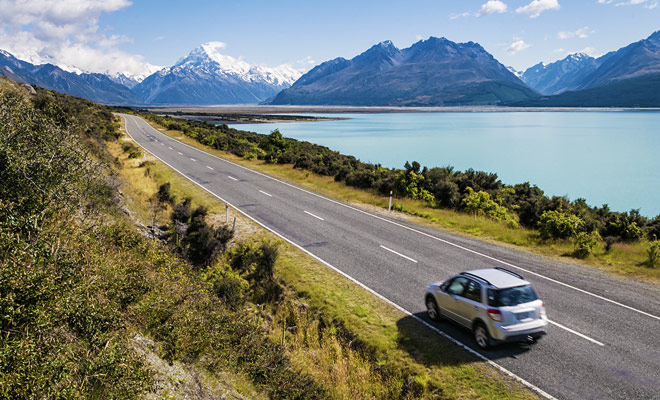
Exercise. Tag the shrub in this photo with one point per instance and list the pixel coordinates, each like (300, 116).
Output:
(480, 203)
(557, 225)
(585, 243)
(654, 254)
(164, 195)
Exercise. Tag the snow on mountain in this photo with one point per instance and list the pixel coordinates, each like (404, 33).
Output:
(562, 75)
(206, 76)
(208, 58)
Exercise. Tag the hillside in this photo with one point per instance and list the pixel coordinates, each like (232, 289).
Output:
(432, 72)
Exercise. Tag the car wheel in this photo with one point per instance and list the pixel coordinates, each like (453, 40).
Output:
(481, 336)
(432, 308)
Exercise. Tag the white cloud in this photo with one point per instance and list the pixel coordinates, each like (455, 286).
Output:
(491, 7)
(517, 46)
(581, 33)
(650, 4)
(66, 33)
(536, 7)
(457, 16)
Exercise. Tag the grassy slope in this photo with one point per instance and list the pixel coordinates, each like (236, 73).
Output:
(625, 259)
(391, 343)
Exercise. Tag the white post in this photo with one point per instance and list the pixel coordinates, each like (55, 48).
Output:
(233, 228)
(389, 208)
(226, 213)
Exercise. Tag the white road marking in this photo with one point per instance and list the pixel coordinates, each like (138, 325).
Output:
(232, 178)
(399, 254)
(169, 147)
(576, 333)
(315, 216)
(209, 168)
(180, 152)
(162, 144)
(192, 159)
(267, 194)
(362, 285)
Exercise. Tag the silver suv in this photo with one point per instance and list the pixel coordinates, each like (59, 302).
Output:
(498, 305)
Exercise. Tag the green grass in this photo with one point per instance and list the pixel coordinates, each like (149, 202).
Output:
(626, 259)
(395, 354)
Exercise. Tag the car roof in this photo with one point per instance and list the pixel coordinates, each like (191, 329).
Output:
(499, 278)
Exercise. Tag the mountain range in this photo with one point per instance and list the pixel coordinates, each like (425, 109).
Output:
(431, 72)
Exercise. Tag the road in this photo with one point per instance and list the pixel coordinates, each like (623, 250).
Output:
(604, 338)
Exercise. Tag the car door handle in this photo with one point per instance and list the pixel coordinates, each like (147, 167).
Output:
(476, 308)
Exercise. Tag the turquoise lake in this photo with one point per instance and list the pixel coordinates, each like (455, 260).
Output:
(606, 157)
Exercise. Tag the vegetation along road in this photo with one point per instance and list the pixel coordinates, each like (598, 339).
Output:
(602, 339)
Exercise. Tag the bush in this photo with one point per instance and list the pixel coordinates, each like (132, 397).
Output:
(557, 225)
(585, 243)
(480, 203)
(654, 254)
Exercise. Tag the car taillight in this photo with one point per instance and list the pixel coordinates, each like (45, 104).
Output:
(543, 314)
(495, 315)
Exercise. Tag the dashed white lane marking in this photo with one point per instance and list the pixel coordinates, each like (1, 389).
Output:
(267, 194)
(233, 179)
(315, 216)
(209, 168)
(180, 153)
(576, 333)
(169, 147)
(162, 144)
(398, 254)
(192, 159)
(362, 285)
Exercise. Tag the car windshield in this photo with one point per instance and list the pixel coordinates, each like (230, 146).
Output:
(511, 296)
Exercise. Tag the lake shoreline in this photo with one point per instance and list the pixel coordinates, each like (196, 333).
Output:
(268, 109)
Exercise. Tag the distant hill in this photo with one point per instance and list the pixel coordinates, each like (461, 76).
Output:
(206, 76)
(95, 87)
(432, 72)
(623, 78)
(643, 91)
(562, 75)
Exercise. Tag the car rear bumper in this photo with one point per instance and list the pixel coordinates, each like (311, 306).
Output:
(520, 332)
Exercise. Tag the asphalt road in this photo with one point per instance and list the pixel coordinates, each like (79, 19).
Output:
(604, 338)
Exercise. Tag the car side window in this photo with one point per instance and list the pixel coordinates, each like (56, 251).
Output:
(473, 291)
(457, 286)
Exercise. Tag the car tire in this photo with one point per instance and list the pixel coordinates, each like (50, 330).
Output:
(481, 336)
(432, 309)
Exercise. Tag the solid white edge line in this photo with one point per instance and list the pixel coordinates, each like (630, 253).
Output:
(368, 289)
(399, 254)
(422, 233)
(232, 178)
(576, 333)
(315, 216)
(267, 194)
(209, 168)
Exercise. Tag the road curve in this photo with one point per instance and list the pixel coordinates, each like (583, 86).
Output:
(602, 342)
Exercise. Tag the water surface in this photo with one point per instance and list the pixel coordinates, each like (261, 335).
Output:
(605, 157)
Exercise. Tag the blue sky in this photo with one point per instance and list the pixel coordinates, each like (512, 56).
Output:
(116, 35)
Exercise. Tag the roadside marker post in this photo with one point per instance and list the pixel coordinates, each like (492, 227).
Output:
(389, 208)
(226, 213)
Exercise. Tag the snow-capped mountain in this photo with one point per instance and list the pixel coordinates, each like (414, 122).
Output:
(95, 87)
(562, 75)
(206, 76)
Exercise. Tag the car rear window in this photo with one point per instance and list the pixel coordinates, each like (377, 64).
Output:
(511, 296)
